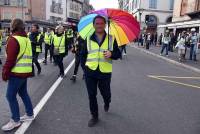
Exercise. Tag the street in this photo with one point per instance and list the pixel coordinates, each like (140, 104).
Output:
(141, 104)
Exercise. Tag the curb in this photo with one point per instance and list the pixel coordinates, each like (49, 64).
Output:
(194, 69)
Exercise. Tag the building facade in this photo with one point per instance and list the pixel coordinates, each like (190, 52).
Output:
(150, 13)
(185, 17)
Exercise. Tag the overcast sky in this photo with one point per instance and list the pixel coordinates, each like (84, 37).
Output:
(99, 4)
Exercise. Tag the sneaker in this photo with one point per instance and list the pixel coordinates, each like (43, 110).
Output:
(124, 54)
(39, 72)
(92, 122)
(11, 125)
(26, 118)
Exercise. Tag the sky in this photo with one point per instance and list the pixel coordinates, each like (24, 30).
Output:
(99, 4)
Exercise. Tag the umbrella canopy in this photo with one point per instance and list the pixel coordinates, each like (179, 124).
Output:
(122, 25)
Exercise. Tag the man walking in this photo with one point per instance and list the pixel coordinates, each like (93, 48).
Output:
(47, 40)
(17, 69)
(36, 41)
(98, 53)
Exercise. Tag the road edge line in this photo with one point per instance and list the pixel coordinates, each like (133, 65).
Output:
(25, 125)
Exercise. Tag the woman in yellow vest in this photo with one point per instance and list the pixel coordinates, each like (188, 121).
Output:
(97, 55)
(17, 68)
(60, 48)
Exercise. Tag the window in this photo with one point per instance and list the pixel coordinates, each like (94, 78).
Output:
(171, 4)
(7, 15)
(6, 2)
(153, 4)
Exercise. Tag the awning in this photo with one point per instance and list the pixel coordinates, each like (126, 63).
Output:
(185, 24)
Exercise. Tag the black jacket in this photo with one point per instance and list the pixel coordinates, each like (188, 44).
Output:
(116, 54)
(34, 42)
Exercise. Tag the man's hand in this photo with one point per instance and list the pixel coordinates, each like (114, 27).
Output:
(107, 54)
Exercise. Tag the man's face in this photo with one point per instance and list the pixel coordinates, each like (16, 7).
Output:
(48, 30)
(99, 25)
(33, 28)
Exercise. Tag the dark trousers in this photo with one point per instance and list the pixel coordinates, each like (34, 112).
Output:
(104, 87)
(16, 86)
(148, 43)
(77, 63)
(123, 49)
(35, 60)
(59, 62)
(48, 48)
(165, 47)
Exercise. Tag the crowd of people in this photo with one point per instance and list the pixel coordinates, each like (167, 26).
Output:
(169, 42)
(94, 54)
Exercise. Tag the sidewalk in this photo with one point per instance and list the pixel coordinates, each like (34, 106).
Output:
(173, 57)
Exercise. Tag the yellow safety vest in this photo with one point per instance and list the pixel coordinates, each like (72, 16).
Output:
(24, 58)
(95, 57)
(48, 38)
(59, 43)
(38, 47)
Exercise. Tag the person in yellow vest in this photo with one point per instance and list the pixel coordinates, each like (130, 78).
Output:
(1, 41)
(17, 68)
(97, 54)
(60, 48)
(70, 36)
(36, 41)
(47, 40)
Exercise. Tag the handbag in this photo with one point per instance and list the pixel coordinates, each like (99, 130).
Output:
(56, 50)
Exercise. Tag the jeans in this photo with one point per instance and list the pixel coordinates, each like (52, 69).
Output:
(59, 62)
(192, 52)
(165, 47)
(16, 86)
(104, 86)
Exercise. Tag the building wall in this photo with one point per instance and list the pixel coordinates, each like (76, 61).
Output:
(54, 11)
(182, 8)
(38, 9)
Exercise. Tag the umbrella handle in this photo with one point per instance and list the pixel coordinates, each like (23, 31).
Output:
(108, 34)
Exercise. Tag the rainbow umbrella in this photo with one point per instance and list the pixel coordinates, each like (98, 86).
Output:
(122, 25)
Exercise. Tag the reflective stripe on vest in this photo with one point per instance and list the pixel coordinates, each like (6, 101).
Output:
(57, 41)
(96, 57)
(70, 33)
(24, 58)
(38, 47)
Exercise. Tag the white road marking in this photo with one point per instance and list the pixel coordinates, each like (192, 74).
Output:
(22, 129)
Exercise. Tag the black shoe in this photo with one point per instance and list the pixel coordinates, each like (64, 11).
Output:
(92, 122)
(73, 78)
(45, 62)
(39, 72)
(106, 108)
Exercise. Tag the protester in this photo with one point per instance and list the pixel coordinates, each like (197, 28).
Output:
(60, 48)
(47, 39)
(17, 68)
(160, 39)
(1, 42)
(76, 49)
(97, 55)
(148, 40)
(155, 39)
(36, 41)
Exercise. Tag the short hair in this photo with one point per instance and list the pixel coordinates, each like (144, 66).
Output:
(99, 17)
(17, 25)
(36, 25)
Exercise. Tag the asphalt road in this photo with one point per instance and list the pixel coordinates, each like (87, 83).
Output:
(140, 104)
